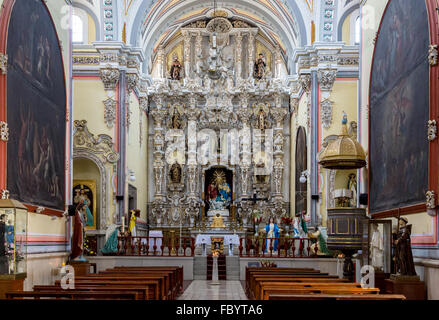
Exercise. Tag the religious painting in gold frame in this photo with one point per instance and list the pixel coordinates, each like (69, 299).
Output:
(217, 244)
(86, 189)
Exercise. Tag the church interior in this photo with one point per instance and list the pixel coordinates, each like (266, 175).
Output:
(219, 149)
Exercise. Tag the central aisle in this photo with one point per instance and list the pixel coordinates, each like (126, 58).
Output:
(202, 290)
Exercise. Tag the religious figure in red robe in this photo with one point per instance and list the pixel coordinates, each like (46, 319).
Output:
(77, 244)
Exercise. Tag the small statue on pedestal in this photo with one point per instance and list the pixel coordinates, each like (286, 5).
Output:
(176, 67)
(259, 69)
(320, 244)
(377, 248)
(403, 250)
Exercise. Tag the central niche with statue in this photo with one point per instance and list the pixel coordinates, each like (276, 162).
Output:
(218, 191)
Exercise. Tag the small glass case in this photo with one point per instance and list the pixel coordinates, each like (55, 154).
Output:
(377, 251)
(13, 239)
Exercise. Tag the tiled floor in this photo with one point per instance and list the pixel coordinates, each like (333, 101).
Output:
(202, 290)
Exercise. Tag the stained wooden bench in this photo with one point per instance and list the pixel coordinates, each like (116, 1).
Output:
(179, 271)
(165, 293)
(283, 296)
(171, 277)
(254, 278)
(74, 295)
(276, 290)
(153, 286)
(143, 293)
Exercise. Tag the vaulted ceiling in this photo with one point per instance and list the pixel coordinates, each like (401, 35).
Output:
(157, 21)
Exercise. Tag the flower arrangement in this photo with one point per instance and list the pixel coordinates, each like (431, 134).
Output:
(268, 264)
(287, 220)
(215, 254)
(257, 219)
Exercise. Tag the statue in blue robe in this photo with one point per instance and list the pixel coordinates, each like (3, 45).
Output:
(272, 231)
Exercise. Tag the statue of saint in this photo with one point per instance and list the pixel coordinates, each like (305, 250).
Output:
(111, 235)
(377, 248)
(175, 71)
(403, 250)
(175, 173)
(352, 186)
(176, 122)
(322, 249)
(133, 223)
(262, 124)
(272, 231)
(77, 244)
(259, 69)
(217, 222)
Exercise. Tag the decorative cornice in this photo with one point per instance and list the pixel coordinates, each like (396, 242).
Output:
(4, 131)
(326, 112)
(305, 82)
(3, 63)
(432, 130)
(5, 194)
(430, 199)
(433, 55)
(110, 77)
(132, 81)
(110, 112)
(102, 145)
(327, 78)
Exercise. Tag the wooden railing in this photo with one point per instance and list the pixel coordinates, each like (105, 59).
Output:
(156, 246)
(286, 247)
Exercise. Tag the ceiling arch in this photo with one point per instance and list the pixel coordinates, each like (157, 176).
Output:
(155, 20)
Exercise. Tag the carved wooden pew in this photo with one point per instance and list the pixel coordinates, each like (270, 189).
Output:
(171, 277)
(165, 293)
(254, 278)
(153, 286)
(179, 271)
(74, 295)
(143, 292)
(284, 296)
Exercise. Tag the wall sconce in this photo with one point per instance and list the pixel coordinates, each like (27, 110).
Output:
(131, 175)
(304, 176)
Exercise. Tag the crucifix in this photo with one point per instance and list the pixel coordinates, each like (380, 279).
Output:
(254, 199)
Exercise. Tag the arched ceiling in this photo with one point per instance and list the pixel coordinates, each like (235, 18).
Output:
(157, 21)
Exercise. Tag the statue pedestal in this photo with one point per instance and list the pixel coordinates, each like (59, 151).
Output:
(412, 289)
(82, 268)
(11, 282)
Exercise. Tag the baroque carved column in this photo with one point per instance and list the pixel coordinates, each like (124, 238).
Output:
(161, 62)
(238, 58)
(278, 115)
(251, 53)
(245, 152)
(326, 80)
(159, 114)
(187, 53)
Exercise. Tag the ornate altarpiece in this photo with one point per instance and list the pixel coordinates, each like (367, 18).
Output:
(218, 116)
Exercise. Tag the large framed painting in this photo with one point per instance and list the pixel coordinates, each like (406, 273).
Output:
(85, 191)
(399, 109)
(218, 188)
(36, 108)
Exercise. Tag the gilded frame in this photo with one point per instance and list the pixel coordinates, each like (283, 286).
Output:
(91, 184)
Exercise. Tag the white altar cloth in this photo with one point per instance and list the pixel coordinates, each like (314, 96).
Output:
(158, 241)
(228, 239)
